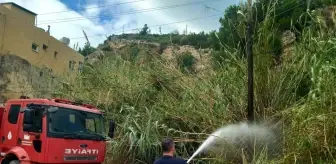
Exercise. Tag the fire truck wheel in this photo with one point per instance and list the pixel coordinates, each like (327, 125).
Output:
(14, 162)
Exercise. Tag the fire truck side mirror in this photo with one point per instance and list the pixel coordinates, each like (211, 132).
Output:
(111, 129)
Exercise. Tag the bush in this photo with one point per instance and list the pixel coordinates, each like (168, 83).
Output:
(87, 50)
(186, 62)
(161, 48)
(106, 48)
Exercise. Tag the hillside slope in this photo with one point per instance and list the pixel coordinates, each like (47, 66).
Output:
(172, 54)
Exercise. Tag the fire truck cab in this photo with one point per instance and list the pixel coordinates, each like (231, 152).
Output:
(37, 131)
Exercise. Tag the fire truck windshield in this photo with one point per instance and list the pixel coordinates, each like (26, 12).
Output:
(75, 124)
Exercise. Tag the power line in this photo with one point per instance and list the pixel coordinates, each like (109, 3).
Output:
(122, 13)
(290, 9)
(117, 4)
(177, 23)
(208, 7)
(186, 20)
(131, 12)
(153, 26)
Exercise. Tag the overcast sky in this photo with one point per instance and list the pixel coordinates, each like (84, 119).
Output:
(100, 18)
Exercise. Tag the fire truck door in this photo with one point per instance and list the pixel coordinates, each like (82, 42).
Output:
(31, 136)
(11, 125)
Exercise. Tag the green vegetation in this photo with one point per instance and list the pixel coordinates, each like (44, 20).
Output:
(150, 99)
(145, 30)
(186, 62)
(87, 50)
(200, 40)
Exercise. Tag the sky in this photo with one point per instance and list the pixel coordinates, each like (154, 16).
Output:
(101, 18)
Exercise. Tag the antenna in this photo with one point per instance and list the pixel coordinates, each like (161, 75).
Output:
(87, 39)
(48, 29)
(87, 43)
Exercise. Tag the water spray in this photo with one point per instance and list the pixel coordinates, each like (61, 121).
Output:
(234, 137)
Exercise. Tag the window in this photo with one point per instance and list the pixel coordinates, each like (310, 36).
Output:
(35, 47)
(55, 54)
(72, 65)
(14, 113)
(32, 120)
(45, 47)
(72, 118)
(90, 124)
(27, 118)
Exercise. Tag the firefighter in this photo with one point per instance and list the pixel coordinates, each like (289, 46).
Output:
(168, 147)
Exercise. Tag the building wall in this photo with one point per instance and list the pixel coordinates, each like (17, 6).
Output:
(2, 30)
(20, 15)
(19, 36)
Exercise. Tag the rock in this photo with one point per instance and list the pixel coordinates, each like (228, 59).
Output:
(330, 16)
(18, 77)
(95, 56)
(288, 38)
(202, 56)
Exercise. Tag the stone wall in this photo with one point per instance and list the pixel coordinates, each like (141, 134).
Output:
(18, 77)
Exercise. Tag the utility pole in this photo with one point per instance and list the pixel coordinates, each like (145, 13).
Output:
(249, 52)
(123, 29)
(186, 32)
(160, 30)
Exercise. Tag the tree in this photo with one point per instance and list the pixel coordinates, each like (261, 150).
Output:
(231, 32)
(186, 62)
(87, 50)
(175, 32)
(200, 40)
(144, 30)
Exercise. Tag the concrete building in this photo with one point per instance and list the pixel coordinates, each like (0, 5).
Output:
(19, 36)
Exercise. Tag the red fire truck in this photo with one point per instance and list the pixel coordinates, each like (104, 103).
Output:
(37, 131)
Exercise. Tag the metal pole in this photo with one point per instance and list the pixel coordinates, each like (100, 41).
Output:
(249, 51)
(186, 32)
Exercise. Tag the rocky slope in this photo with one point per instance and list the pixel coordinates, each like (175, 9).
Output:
(18, 77)
(170, 52)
